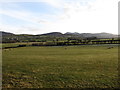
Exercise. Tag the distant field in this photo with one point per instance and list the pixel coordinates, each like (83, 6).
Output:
(61, 67)
(13, 44)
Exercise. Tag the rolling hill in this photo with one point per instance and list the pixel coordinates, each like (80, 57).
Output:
(7, 36)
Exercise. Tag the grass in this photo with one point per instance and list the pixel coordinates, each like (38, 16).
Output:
(10, 44)
(16, 44)
(57, 67)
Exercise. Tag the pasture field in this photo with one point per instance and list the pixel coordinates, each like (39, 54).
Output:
(15, 44)
(87, 66)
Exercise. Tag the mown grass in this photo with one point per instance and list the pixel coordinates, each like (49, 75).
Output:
(57, 67)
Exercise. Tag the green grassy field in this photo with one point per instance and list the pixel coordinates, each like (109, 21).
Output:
(57, 67)
(14, 44)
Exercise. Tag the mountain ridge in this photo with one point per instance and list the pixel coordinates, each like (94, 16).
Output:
(74, 34)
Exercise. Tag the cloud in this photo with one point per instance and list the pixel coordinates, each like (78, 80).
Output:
(101, 17)
(25, 16)
(54, 3)
(76, 16)
(20, 30)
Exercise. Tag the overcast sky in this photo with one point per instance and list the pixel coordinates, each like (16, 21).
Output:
(43, 16)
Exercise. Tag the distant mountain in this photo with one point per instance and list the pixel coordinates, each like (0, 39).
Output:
(10, 37)
(98, 35)
(67, 34)
(53, 34)
(105, 35)
(6, 33)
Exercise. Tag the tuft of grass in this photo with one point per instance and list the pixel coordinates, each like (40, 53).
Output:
(56, 67)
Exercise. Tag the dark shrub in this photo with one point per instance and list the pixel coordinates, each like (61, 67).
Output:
(21, 46)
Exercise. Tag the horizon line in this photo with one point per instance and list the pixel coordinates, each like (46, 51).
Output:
(57, 32)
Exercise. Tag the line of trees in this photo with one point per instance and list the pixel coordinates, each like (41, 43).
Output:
(62, 41)
(76, 42)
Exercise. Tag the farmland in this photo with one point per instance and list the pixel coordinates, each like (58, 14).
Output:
(84, 66)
